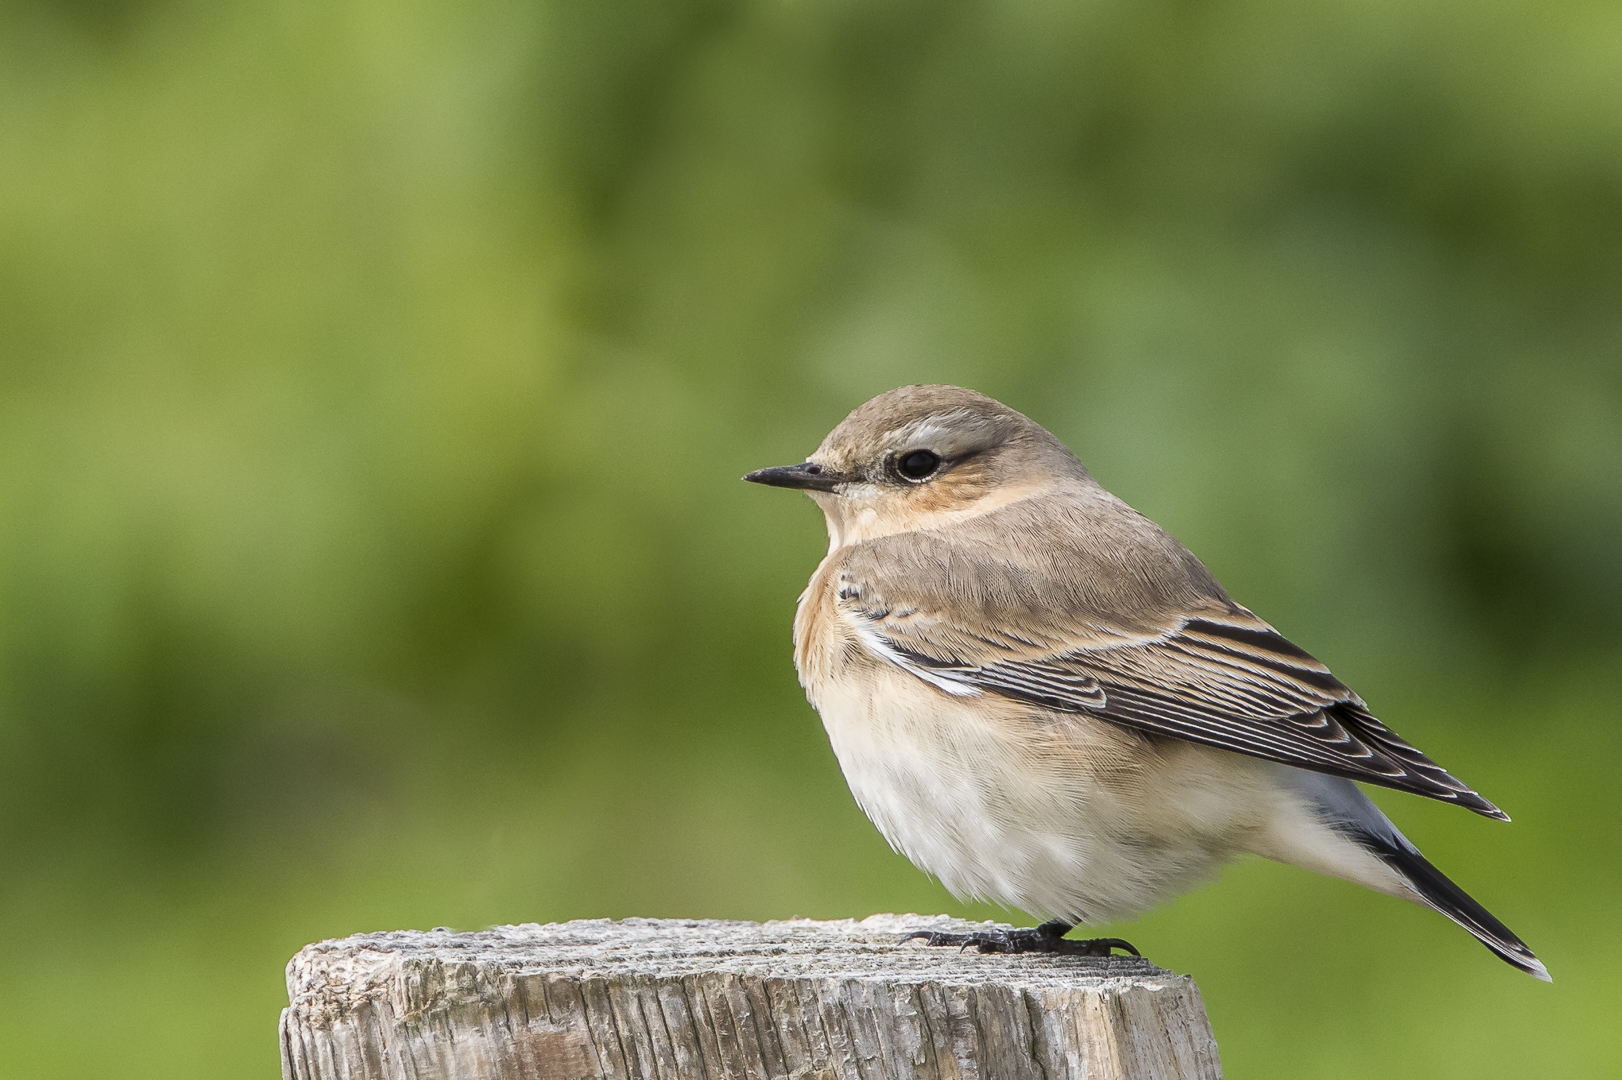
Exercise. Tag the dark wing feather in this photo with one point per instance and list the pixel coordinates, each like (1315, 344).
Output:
(1222, 677)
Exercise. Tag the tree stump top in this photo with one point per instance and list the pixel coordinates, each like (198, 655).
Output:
(711, 999)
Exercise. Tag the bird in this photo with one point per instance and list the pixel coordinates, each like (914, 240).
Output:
(1044, 700)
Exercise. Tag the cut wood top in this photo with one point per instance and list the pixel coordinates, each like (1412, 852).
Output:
(710, 999)
(344, 971)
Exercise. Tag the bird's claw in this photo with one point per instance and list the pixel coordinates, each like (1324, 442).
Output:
(1024, 941)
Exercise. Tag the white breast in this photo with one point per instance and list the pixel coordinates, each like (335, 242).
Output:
(1055, 815)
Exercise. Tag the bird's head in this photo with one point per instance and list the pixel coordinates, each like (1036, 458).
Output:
(918, 457)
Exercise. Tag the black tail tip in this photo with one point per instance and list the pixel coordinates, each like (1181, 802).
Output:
(1435, 889)
(1520, 956)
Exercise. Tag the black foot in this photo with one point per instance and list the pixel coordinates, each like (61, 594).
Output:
(1047, 938)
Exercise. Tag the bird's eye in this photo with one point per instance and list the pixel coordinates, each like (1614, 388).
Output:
(918, 464)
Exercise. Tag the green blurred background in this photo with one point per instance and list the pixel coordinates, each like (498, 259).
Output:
(375, 380)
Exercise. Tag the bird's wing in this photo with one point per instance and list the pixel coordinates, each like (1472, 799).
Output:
(1213, 673)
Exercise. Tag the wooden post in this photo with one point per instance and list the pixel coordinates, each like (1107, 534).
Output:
(676, 999)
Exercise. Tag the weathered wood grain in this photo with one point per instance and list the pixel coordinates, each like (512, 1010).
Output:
(642, 999)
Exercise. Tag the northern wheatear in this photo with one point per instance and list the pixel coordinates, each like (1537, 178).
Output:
(1044, 700)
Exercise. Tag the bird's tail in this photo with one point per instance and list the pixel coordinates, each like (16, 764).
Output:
(1438, 891)
(1351, 813)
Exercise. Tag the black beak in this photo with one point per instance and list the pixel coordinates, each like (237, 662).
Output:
(806, 477)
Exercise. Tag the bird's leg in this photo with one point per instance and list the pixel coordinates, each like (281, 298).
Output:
(1047, 938)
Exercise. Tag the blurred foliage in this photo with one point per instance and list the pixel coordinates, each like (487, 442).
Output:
(375, 380)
